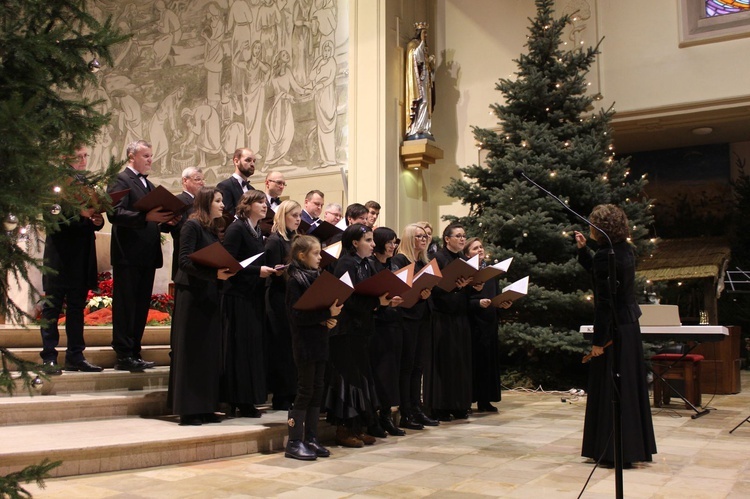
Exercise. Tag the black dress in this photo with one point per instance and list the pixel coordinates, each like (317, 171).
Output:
(416, 344)
(282, 372)
(385, 349)
(196, 329)
(244, 380)
(484, 345)
(447, 380)
(351, 391)
(637, 428)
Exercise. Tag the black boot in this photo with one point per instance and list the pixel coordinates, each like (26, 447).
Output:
(311, 432)
(374, 428)
(386, 421)
(295, 447)
(407, 421)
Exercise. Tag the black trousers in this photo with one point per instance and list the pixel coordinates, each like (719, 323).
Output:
(414, 351)
(310, 383)
(131, 297)
(75, 298)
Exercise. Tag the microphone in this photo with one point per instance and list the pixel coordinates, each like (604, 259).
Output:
(519, 173)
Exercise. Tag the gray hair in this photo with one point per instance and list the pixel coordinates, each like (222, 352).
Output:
(190, 171)
(334, 205)
(136, 146)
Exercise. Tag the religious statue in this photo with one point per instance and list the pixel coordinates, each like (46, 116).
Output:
(420, 86)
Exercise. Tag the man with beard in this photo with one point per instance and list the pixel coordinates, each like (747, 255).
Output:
(235, 186)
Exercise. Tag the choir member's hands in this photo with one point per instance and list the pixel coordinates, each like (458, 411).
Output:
(485, 302)
(224, 274)
(175, 220)
(266, 271)
(505, 304)
(335, 308)
(279, 269)
(97, 219)
(331, 323)
(396, 301)
(87, 212)
(462, 282)
(425, 293)
(384, 300)
(478, 287)
(596, 351)
(580, 241)
(159, 215)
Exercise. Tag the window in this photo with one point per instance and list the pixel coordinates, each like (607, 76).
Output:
(710, 21)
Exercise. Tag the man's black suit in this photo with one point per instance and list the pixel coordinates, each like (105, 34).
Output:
(175, 230)
(71, 252)
(136, 254)
(266, 224)
(231, 192)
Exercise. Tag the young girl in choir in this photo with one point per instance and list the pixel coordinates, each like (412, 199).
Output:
(310, 347)
(282, 375)
(196, 322)
(244, 380)
(351, 399)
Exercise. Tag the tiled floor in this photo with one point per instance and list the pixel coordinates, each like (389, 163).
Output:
(529, 450)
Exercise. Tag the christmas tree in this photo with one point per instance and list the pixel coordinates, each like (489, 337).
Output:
(49, 52)
(549, 130)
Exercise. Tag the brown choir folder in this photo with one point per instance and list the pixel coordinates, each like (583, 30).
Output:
(325, 291)
(160, 197)
(217, 257)
(512, 291)
(491, 271)
(114, 197)
(330, 254)
(381, 283)
(324, 231)
(456, 269)
(426, 278)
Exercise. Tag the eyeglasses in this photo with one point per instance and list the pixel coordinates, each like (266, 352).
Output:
(459, 236)
(421, 237)
(197, 179)
(337, 215)
(278, 182)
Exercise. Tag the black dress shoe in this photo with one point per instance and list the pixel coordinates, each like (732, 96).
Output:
(443, 415)
(51, 368)
(486, 407)
(147, 364)
(210, 417)
(423, 419)
(376, 431)
(129, 364)
(249, 411)
(83, 366)
(460, 414)
(407, 421)
(386, 422)
(191, 420)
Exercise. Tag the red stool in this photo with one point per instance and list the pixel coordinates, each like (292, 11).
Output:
(675, 366)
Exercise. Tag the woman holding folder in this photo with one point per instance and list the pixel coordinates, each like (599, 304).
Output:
(448, 382)
(483, 318)
(351, 399)
(244, 380)
(196, 322)
(415, 332)
(282, 373)
(385, 344)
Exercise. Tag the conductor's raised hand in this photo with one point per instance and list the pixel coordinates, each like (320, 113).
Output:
(580, 239)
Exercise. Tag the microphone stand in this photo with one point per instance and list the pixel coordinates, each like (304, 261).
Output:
(616, 378)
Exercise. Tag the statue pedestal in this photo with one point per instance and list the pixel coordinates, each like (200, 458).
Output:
(420, 153)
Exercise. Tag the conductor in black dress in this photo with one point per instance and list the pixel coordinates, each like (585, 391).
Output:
(136, 254)
(235, 186)
(638, 439)
(71, 253)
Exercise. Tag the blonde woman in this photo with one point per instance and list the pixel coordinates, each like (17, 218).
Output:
(282, 373)
(416, 333)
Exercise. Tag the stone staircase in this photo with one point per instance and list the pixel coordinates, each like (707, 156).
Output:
(115, 420)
